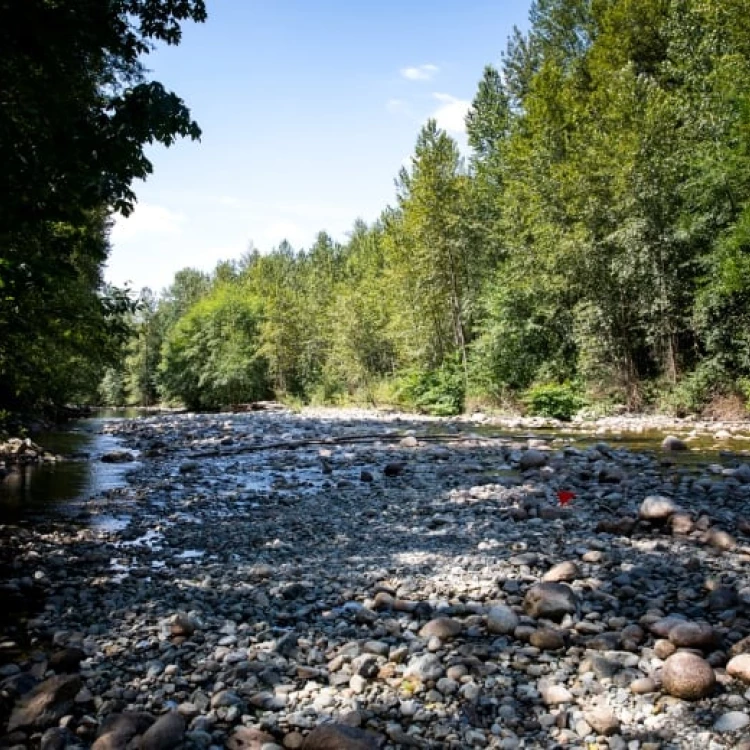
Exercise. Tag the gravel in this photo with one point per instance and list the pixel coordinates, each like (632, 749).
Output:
(288, 580)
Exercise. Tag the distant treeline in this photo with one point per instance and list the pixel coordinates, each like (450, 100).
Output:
(595, 244)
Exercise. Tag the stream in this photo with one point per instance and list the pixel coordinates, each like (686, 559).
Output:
(34, 490)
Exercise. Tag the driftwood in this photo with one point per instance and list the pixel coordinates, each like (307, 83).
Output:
(343, 440)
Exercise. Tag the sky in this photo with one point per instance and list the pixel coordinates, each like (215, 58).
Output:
(308, 109)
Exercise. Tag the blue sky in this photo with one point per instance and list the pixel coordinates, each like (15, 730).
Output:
(308, 109)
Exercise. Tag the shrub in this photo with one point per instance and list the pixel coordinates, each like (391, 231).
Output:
(559, 401)
(440, 392)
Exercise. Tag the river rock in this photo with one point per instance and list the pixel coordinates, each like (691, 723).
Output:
(550, 600)
(602, 721)
(731, 721)
(117, 730)
(66, 660)
(547, 639)
(693, 635)
(166, 732)
(502, 620)
(739, 667)
(686, 675)
(564, 571)
(441, 627)
(249, 738)
(720, 539)
(117, 457)
(657, 508)
(672, 443)
(340, 737)
(47, 703)
(532, 459)
(425, 667)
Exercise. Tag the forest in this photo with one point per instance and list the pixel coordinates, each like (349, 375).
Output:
(591, 250)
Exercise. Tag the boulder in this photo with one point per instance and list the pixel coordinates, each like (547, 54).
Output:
(686, 675)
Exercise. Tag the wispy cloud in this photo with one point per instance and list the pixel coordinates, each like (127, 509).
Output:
(451, 114)
(420, 72)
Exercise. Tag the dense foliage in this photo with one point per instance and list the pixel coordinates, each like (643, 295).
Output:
(598, 234)
(76, 111)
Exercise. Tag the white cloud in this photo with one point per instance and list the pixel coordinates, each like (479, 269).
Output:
(420, 72)
(147, 219)
(451, 114)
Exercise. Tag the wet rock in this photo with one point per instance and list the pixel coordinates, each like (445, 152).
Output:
(672, 443)
(686, 675)
(340, 737)
(117, 457)
(46, 704)
(394, 469)
(551, 601)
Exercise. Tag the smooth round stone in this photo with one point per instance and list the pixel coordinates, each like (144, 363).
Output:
(502, 620)
(553, 695)
(664, 648)
(547, 639)
(731, 721)
(532, 459)
(643, 685)
(693, 635)
(564, 571)
(657, 508)
(686, 675)
(739, 667)
(441, 627)
(721, 540)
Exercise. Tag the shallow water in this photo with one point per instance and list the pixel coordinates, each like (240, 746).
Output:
(34, 489)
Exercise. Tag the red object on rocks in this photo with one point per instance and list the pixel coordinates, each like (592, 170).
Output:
(565, 496)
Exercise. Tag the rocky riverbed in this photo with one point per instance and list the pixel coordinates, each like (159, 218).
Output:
(351, 580)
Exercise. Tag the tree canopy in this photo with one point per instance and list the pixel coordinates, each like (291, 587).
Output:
(76, 111)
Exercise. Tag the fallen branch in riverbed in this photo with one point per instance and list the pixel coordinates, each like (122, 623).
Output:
(343, 440)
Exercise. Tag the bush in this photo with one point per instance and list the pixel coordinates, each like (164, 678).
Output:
(696, 389)
(440, 392)
(553, 400)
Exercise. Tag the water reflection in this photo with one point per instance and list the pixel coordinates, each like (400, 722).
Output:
(33, 489)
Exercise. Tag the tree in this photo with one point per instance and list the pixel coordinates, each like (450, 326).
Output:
(76, 111)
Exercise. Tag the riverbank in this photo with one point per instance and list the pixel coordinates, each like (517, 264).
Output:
(416, 582)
